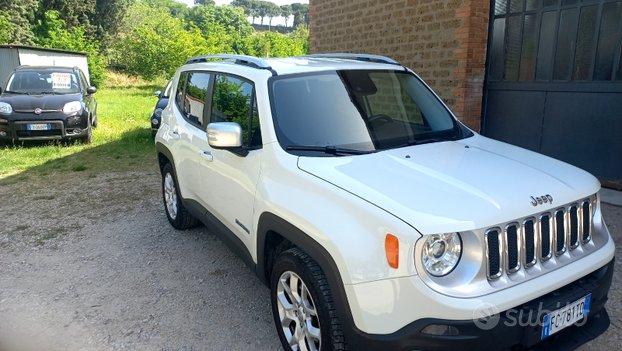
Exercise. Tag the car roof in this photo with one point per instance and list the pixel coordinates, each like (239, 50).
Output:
(297, 65)
(46, 68)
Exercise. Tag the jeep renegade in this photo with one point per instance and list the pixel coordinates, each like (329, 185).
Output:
(376, 218)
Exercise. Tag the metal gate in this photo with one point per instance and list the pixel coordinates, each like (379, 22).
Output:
(554, 81)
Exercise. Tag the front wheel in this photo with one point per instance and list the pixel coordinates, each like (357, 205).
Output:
(302, 305)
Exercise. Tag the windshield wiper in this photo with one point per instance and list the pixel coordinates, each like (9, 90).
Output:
(333, 150)
(434, 139)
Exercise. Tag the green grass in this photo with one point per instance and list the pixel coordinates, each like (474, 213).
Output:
(122, 140)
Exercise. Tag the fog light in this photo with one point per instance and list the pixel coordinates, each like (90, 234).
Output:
(440, 329)
(155, 122)
(77, 131)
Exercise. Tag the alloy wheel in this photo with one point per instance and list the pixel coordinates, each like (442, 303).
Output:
(170, 195)
(298, 314)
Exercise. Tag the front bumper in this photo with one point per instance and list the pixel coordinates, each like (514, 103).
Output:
(506, 332)
(61, 127)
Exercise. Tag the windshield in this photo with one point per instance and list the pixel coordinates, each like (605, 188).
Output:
(43, 82)
(358, 111)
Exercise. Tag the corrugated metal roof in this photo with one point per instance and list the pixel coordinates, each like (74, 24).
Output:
(42, 49)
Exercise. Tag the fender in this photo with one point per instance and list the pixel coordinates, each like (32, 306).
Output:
(163, 149)
(271, 222)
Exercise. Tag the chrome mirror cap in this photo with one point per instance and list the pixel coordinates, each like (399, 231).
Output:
(224, 135)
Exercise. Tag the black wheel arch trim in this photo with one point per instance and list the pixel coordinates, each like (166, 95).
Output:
(269, 222)
(164, 150)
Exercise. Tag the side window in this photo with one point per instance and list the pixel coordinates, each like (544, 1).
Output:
(195, 98)
(181, 91)
(234, 101)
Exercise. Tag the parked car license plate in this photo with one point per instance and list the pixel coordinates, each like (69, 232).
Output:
(39, 127)
(565, 316)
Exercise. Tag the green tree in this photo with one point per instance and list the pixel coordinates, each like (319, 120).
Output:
(204, 2)
(301, 14)
(286, 12)
(21, 14)
(7, 28)
(73, 12)
(153, 43)
(108, 18)
(273, 11)
(52, 32)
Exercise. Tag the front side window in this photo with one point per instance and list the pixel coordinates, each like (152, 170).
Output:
(358, 110)
(234, 101)
(43, 82)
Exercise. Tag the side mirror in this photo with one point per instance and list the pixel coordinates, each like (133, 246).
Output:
(224, 135)
(0, 90)
(91, 90)
(158, 93)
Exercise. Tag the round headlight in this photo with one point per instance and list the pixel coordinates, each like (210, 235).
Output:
(72, 107)
(5, 108)
(441, 253)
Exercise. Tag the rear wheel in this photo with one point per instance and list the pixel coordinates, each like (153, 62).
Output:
(302, 305)
(176, 213)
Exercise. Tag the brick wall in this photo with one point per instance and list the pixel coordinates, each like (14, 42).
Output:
(444, 41)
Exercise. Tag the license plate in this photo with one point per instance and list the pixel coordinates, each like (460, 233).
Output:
(39, 127)
(565, 316)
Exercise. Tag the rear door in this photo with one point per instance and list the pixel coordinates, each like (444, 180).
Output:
(188, 133)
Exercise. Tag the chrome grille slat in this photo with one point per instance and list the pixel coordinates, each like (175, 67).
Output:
(559, 223)
(545, 237)
(529, 242)
(537, 239)
(512, 248)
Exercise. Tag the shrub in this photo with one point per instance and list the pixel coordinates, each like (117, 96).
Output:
(52, 32)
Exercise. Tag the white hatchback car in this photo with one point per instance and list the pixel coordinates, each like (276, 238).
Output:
(377, 219)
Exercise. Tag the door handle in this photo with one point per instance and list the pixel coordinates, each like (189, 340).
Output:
(207, 155)
(173, 134)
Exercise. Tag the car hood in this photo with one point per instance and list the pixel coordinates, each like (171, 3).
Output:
(455, 185)
(21, 102)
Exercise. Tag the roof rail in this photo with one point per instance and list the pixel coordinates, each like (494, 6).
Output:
(357, 57)
(245, 60)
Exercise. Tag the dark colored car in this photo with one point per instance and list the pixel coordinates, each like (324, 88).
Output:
(46, 103)
(156, 117)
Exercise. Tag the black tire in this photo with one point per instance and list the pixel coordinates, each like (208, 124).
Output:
(297, 261)
(182, 219)
(88, 138)
(94, 123)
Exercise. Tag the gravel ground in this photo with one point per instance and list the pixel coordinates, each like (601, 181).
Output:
(90, 263)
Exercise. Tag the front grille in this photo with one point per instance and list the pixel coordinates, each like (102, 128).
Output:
(538, 238)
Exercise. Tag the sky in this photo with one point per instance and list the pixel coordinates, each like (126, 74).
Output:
(275, 21)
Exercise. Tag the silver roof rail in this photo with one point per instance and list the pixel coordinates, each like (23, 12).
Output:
(357, 57)
(244, 60)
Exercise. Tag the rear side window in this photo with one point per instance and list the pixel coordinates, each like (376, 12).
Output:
(197, 89)
(234, 101)
(181, 89)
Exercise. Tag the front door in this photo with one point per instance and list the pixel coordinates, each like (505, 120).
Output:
(229, 177)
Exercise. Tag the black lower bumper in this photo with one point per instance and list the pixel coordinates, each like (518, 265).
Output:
(515, 329)
(56, 127)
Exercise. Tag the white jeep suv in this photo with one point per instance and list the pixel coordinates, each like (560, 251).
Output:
(377, 219)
